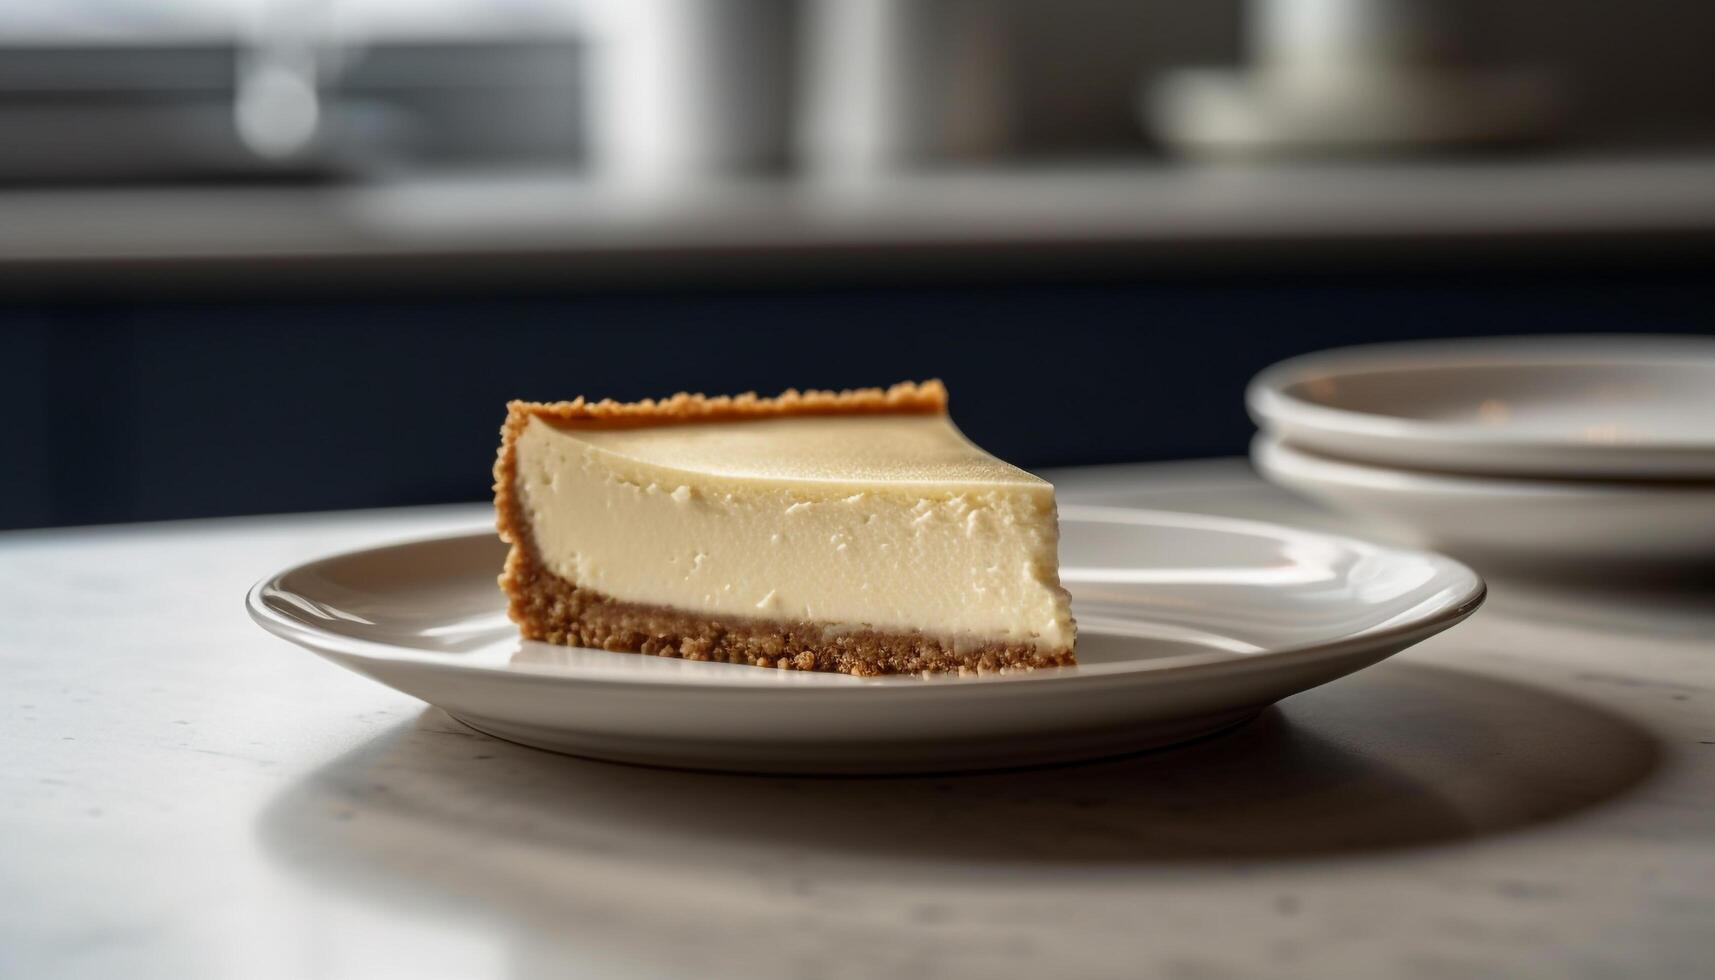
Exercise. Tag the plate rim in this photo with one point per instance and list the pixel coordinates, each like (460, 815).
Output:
(352, 651)
(1274, 409)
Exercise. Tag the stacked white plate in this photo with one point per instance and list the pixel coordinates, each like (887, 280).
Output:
(1548, 453)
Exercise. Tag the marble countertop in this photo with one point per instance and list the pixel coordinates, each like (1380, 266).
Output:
(182, 795)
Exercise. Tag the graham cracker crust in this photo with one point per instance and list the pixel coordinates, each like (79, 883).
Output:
(549, 608)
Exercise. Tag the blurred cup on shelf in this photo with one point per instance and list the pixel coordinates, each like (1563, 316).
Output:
(1331, 77)
(689, 88)
(1309, 38)
(282, 57)
(891, 84)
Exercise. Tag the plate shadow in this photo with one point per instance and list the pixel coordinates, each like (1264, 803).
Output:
(1397, 756)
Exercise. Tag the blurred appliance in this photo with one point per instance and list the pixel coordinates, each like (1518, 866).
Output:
(295, 89)
(1335, 76)
(688, 88)
(903, 83)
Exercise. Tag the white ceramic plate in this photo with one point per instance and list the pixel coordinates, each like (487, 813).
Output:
(1187, 625)
(1618, 407)
(1549, 525)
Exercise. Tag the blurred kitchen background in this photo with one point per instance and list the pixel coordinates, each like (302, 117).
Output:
(280, 255)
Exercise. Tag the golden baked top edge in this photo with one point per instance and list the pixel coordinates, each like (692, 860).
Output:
(907, 397)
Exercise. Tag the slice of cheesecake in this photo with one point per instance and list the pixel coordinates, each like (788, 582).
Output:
(854, 531)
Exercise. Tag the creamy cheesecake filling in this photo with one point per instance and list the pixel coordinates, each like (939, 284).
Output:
(811, 519)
